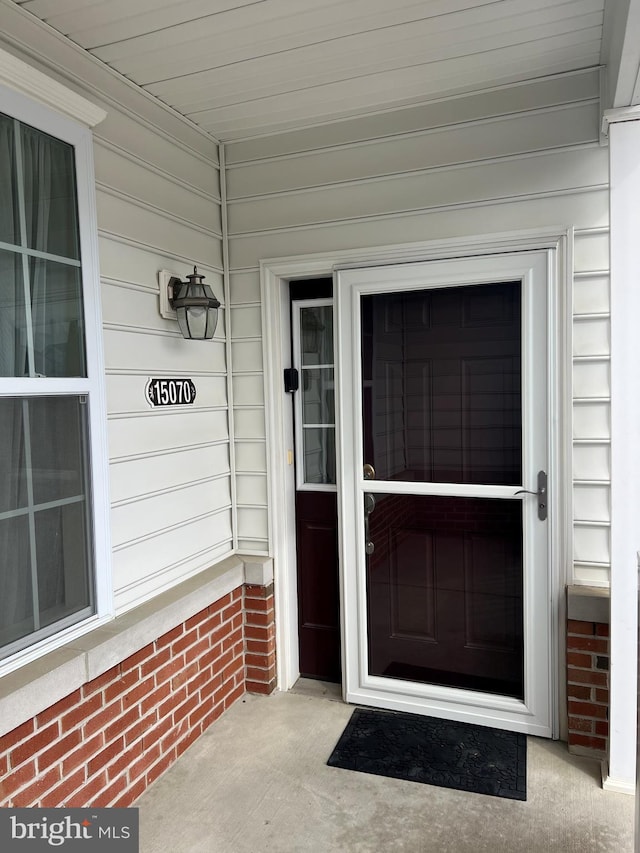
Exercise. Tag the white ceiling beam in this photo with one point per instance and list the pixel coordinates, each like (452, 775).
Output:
(621, 53)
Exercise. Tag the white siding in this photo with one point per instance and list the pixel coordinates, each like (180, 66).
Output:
(513, 158)
(158, 198)
(248, 400)
(171, 502)
(592, 397)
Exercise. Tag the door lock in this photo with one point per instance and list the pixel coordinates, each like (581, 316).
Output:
(541, 494)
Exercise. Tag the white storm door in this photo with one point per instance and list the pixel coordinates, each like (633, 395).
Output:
(444, 435)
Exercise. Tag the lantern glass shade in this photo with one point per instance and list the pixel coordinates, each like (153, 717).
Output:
(196, 307)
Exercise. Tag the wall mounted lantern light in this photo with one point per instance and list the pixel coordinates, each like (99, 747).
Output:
(193, 302)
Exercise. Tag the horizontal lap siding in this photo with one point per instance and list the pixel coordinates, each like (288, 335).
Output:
(433, 148)
(159, 208)
(591, 407)
(528, 177)
(158, 205)
(248, 399)
(436, 224)
(171, 501)
(520, 158)
(556, 91)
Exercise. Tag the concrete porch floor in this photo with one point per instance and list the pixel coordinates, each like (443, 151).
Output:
(257, 782)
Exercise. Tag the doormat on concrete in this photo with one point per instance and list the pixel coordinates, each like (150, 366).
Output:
(433, 751)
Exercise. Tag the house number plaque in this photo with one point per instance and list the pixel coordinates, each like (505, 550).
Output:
(170, 392)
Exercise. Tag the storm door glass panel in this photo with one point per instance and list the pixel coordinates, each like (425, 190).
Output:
(45, 530)
(441, 384)
(317, 410)
(441, 375)
(444, 592)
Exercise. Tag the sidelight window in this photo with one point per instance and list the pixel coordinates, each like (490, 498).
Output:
(315, 400)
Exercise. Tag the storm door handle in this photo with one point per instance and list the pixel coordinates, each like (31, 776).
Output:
(369, 506)
(541, 494)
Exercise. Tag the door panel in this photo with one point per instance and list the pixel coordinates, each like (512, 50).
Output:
(318, 590)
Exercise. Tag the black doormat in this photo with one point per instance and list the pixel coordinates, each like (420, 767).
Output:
(433, 751)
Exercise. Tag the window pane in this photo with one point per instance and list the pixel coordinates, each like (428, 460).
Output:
(58, 329)
(319, 455)
(58, 448)
(61, 549)
(56, 320)
(13, 475)
(9, 227)
(16, 605)
(316, 328)
(45, 530)
(13, 323)
(318, 406)
(49, 194)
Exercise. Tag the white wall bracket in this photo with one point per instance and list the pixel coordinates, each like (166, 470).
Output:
(166, 311)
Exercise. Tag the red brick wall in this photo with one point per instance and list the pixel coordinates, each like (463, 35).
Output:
(588, 686)
(107, 741)
(260, 633)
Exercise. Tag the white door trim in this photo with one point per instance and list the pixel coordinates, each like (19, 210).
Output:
(275, 275)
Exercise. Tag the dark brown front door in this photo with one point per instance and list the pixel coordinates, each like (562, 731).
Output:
(318, 590)
(316, 494)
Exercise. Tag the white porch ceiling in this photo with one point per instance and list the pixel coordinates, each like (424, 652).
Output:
(243, 67)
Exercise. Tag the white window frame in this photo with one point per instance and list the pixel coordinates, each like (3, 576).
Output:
(297, 305)
(23, 98)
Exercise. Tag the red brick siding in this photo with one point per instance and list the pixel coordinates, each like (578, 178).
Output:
(261, 638)
(588, 686)
(105, 743)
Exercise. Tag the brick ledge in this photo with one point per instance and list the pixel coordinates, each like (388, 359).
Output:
(38, 685)
(588, 603)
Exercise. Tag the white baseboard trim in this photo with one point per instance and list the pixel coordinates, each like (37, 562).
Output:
(617, 786)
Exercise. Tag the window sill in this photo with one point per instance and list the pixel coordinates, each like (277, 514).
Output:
(38, 685)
